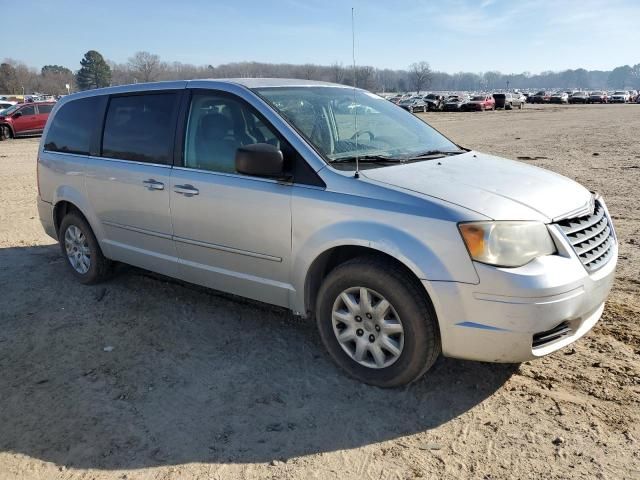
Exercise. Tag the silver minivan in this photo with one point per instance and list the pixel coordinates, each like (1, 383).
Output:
(334, 203)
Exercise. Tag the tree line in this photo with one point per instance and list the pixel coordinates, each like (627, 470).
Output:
(95, 71)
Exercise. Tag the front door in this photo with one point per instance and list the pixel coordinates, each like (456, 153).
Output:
(129, 183)
(232, 231)
(27, 121)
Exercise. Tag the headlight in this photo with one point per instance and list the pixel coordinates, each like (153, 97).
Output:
(506, 244)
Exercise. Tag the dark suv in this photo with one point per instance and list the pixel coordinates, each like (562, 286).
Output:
(24, 119)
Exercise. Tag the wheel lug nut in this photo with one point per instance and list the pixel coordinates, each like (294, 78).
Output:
(359, 332)
(377, 328)
(372, 338)
(358, 318)
(369, 316)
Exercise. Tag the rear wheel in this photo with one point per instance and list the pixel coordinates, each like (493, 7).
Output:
(377, 324)
(83, 253)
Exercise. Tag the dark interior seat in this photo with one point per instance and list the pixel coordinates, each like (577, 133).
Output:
(215, 143)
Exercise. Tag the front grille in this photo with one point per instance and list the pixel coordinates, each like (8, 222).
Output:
(591, 237)
(556, 333)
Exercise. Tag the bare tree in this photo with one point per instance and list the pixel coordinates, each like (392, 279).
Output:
(365, 77)
(145, 66)
(420, 74)
(337, 72)
(308, 71)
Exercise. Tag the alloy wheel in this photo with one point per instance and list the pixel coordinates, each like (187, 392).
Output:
(77, 249)
(367, 327)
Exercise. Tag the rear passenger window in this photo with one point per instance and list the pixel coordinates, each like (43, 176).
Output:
(73, 125)
(45, 108)
(140, 128)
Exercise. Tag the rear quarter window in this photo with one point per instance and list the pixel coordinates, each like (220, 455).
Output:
(73, 125)
(45, 109)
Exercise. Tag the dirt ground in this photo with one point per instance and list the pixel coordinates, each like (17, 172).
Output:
(146, 378)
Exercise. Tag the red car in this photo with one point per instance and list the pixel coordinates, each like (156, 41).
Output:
(24, 119)
(480, 103)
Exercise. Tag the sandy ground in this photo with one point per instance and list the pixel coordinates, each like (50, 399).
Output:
(206, 386)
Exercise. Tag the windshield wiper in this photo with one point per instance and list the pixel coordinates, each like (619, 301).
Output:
(434, 153)
(403, 159)
(368, 159)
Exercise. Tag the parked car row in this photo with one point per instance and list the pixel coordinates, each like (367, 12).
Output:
(459, 102)
(455, 102)
(598, 96)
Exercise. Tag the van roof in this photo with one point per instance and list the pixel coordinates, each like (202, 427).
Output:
(202, 83)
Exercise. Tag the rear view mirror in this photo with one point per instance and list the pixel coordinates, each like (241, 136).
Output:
(17, 115)
(260, 159)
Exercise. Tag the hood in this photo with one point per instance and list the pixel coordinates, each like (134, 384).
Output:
(492, 186)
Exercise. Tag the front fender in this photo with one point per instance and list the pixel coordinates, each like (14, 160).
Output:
(445, 260)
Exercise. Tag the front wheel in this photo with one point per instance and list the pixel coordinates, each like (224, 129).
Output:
(377, 324)
(5, 133)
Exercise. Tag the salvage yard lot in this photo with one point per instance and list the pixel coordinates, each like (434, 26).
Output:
(196, 384)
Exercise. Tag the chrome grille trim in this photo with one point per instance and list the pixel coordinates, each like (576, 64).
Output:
(591, 237)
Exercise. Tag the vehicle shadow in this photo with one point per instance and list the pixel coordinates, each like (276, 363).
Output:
(143, 371)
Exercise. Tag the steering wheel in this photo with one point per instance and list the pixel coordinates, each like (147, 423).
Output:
(361, 132)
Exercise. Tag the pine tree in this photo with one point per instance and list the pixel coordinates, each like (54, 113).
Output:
(95, 73)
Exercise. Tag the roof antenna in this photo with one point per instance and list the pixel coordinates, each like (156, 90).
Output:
(355, 105)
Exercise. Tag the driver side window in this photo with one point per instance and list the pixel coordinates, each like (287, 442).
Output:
(217, 126)
(30, 110)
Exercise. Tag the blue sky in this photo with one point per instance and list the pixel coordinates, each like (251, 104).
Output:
(452, 35)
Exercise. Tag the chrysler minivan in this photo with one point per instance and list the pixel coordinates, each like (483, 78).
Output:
(334, 203)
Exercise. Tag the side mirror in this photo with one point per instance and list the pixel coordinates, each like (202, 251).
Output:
(261, 160)
(17, 115)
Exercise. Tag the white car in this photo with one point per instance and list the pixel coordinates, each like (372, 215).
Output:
(559, 97)
(5, 104)
(619, 97)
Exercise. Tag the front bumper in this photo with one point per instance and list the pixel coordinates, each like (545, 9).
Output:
(496, 320)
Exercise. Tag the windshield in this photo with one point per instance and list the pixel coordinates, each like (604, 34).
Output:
(620, 93)
(10, 110)
(478, 98)
(323, 116)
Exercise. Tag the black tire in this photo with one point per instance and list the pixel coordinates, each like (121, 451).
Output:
(421, 333)
(5, 132)
(99, 267)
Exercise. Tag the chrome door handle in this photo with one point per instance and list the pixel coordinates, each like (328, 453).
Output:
(152, 184)
(186, 190)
